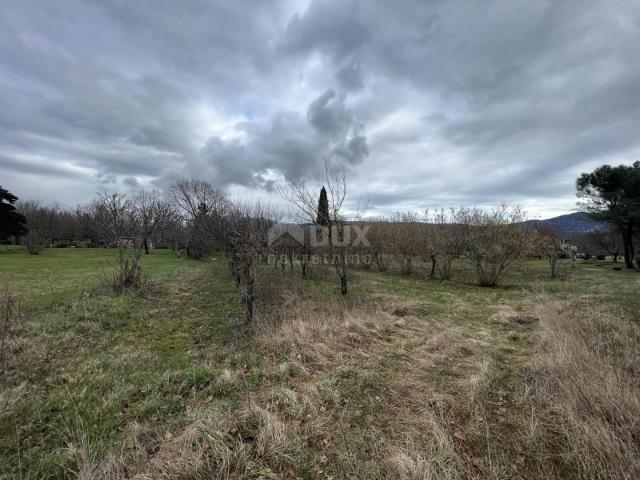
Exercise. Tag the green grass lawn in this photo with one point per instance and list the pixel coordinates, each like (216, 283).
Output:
(89, 369)
(56, 275)
(92, 361)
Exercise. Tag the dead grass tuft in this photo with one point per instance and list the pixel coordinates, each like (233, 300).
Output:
(438, 460)
(312, 336)
(508, 316)
(403, 308)
(203, 450)
(10, 399)
(215, 444)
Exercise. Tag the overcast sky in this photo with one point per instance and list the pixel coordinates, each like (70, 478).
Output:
(425, 103)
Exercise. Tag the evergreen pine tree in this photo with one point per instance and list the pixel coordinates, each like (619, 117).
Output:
(12, 223)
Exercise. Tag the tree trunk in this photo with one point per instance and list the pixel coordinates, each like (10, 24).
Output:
(303, 263)
(433, 266)
(552, 264)
(343, 273)
(343, 284)
(236, 272)
(627, 241)
(146, 246)
(250, 299)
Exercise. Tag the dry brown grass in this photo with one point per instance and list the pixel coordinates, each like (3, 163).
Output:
(384, 342)
(337, 363)
(383, 391)
(217, 444)
(10, 325)
(324, 335)
(586, 388)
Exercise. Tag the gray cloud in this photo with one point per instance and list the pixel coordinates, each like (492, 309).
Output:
(350, 76)
(335, 26)
(288, 144)
(328, 115)
(426, 103)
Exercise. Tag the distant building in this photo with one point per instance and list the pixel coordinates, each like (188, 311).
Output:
(126, 242)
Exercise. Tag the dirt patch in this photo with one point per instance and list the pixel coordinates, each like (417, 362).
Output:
(524, 319)
(508, 316)
(400, 307)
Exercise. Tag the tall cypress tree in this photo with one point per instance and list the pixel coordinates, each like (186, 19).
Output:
(323, 209)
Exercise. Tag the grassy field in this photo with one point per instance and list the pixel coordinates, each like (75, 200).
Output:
(405, 378)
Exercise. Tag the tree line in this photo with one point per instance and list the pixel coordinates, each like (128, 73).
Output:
(168, 219)
(195, 219)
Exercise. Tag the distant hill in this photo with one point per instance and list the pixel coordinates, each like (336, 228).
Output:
(570, 224)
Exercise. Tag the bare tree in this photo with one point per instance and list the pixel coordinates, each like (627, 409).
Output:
(607, 240)
(120, 223)
(448, 239)
(428, 249)
(405, 239)
(336, 231)
(548, 244)
(426, 246)
(201, 208)
(246, 229)
(154, 214)
(363, 252)
(380, 241)
(39, 225)
(494, 240)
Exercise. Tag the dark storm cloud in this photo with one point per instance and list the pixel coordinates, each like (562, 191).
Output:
(327, 114)
(520, 83)
(425, 102)
(287, 143)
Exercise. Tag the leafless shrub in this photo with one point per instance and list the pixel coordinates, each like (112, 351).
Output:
(39, 225)
(426, 243)
(405, 239)
(380, 240)
(448, 241)
(494, 240)
(117, 214)
(549, 245)
(34, 241)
